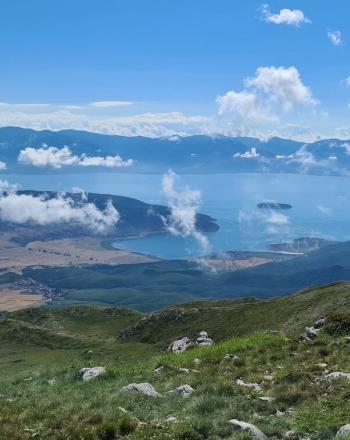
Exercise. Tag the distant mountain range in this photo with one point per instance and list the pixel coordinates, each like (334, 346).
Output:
(193, 154)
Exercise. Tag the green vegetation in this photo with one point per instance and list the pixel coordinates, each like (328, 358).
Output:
(39, 345)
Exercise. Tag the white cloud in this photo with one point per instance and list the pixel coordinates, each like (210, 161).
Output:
(183, 209)
(25, 208)
(347, 80)
(335, 37)
(324, 210)
(276, 218)
(293, 17)
(3, 166)
(282, 84)
(57, 157)
(272, 91)
(250, 154)
(110, 104)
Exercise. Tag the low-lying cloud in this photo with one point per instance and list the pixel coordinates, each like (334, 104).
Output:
(28, 209)
(58, 157)
(183, 206)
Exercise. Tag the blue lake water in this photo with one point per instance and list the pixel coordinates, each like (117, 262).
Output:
(321, 207)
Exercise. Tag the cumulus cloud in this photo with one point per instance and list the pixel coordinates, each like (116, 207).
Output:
(271, 91)
(183, 209)
(335, 37)
(57, 157)
(293, 17)
(26, 208)
(250, 154)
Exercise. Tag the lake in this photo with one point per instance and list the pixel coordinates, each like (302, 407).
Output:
(320, 207)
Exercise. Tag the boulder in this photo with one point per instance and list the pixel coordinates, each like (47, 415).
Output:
(255, 386)
(266, 399)
(203, 340)
(343, 432)
(338, 375)
(311, 332)
(252, 429)
(184, 390)
(320, 323)
(143, 388)
(180, 345)
(92, 373)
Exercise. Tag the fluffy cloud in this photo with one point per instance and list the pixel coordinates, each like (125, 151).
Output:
(57, 157)
(25, 208)
(293, 17)
(3, 166)
(282, 84)
(183, 209)
(335, 37)
(250, 154)
(270, 91)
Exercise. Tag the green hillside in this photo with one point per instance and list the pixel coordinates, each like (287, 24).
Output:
(42, 395)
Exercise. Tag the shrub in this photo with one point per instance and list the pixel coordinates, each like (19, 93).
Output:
(338, 324)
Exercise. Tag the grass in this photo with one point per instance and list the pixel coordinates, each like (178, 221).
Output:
(286, 369)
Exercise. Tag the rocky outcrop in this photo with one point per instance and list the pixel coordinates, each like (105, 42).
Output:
(88, 374)
(338, 375)
(252, 429)
(231, 357)
(203, 340)
(180, 345)
(143, 388)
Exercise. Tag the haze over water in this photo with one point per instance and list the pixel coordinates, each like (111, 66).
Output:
(320, 206)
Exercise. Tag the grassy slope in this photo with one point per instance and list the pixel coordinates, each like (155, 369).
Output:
(43, 344)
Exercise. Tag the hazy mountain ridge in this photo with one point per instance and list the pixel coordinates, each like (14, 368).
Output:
(192, 154)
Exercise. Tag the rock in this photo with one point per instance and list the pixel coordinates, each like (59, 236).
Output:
(266, 399)
(187, 370)
(269, 377)
(143, 388)
(338, 375)
(253, 430)
(170, 419)
(203, 340)
(180, 345)
(231, 357)
(343, 432)
(51, 381)
(311, 332)
(196, 361)
(255, 386)
(320, 323)
(92, 373)
(321, 365)
(158, 370)
(184, 390)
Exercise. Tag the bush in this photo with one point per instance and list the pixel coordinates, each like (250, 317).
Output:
(338, 324)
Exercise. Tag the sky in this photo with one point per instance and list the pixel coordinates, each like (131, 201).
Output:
(165, 67)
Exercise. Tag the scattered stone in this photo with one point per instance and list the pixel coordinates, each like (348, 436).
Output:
(203, 340)
(187, 370)
(123, 410)
(51, 381)
(180, 345)
(92, 373)
(292, 435)
(170, 419)
(320, 323)
(269, 377)
(322, 365)
(338, 375)
(343, 432)
(196, 361)
(184, 390)
(158, 370)
(231, 357)
(255, 386)
(266, 399)
(143, 388)
(254, 431)
(311, 332)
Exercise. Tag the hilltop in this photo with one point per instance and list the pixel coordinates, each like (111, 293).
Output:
(274, 379)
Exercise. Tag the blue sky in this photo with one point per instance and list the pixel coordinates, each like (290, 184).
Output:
(154, 59)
